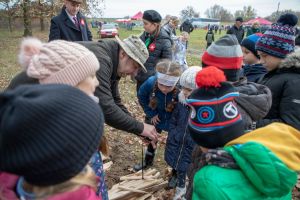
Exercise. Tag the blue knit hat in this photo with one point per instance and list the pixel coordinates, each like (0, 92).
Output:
(279, 40)
(48, 132)
(250, 41)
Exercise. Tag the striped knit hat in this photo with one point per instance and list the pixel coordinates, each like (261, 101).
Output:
(250, 41)
(279, 40)
(48, 132)
(58, 61)
(226, 54)
(215, 119)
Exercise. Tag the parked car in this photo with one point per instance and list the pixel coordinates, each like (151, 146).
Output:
(108, 31)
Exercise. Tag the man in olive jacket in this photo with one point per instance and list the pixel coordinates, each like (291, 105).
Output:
(117, 59)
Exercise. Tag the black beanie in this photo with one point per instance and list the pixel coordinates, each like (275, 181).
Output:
(48, 133)
(152, 16)
(215, 119)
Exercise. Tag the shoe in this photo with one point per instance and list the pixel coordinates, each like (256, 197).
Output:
(172, 182)
(180, 193)
(139, 167)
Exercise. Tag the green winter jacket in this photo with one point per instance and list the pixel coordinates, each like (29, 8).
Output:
(262, 175)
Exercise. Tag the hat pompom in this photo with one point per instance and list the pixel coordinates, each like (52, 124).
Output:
(210, 77)
(288, 19)
(29, 48)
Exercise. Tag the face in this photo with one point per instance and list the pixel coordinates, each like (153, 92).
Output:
(186, 91)
(150, 27)
(72, 7)
(238, 23)
(127, 66)
(165, 89)
(270, 62)
(248, 57)
(184, 37)
(173, 24)
(88, 85)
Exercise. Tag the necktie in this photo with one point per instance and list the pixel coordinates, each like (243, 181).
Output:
(76, 22)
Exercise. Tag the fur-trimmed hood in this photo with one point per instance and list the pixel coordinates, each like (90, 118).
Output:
(292, 61)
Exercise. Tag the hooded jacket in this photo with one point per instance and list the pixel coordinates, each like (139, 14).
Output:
(268, 159)
(284, 84)
(254, 102)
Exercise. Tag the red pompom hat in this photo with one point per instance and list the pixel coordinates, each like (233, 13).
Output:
(215, 119)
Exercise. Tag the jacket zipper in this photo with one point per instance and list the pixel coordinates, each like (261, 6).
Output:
(181, 146)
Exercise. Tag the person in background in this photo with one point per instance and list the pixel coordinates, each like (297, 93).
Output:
(70, 24)
(252, 68)
(179, 50)
(158, 43)
(210, 38)
(188, 27)
(46, 142)
(179, 146)
(237, 29)
(255, 28)
(170, 27)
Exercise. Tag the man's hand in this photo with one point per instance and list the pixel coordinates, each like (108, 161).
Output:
(150, 132)
(155, 120)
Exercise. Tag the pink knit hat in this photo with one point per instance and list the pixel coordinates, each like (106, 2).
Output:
(57, 61)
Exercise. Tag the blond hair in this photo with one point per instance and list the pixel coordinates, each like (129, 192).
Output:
(168, 67)
(85, 178)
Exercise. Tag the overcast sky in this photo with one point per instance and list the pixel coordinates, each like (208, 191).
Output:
(121, 8)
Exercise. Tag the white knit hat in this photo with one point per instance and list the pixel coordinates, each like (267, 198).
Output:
(57, 61)
(188, 77)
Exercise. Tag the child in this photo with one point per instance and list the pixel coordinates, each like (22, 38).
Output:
(62, 62)
(210, 38)
(179, 53)
(47, 140)
(261, 164)
(252, 68)
(179, 144)
(158, 97)
(283, 77)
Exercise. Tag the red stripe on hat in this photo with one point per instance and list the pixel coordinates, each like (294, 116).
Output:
(218, 123)
(272, 48)
(222, 62)
(213, 102)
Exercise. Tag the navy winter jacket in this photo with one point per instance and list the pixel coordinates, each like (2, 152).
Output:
(179, 145)
(144, 95)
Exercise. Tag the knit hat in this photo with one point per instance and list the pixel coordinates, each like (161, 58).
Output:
(48, 132)
(250, 41)
(215, 119)
(239, 19)
(279, 40)
(226, 54)
(135, 49)
(188, 77)
(152, 16)
(58, 61)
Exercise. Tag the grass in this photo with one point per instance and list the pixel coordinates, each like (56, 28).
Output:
(10, 42)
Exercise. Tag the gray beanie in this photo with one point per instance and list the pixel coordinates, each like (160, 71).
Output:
(187, 78)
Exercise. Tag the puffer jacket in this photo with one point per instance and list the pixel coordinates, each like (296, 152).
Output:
(284, 84)
(144, 95)
(254, 72)
(254, 102)
(267, 161)
(163, 50)
(179, 146)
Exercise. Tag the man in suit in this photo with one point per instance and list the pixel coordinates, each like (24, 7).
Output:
(70, 24)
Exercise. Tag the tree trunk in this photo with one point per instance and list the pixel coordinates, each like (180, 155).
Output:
(42, 22)
(27, 19)
(9, 24)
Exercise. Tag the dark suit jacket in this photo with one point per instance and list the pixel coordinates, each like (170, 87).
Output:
(63, 28)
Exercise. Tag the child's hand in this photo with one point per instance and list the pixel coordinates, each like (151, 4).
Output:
(155, 120)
